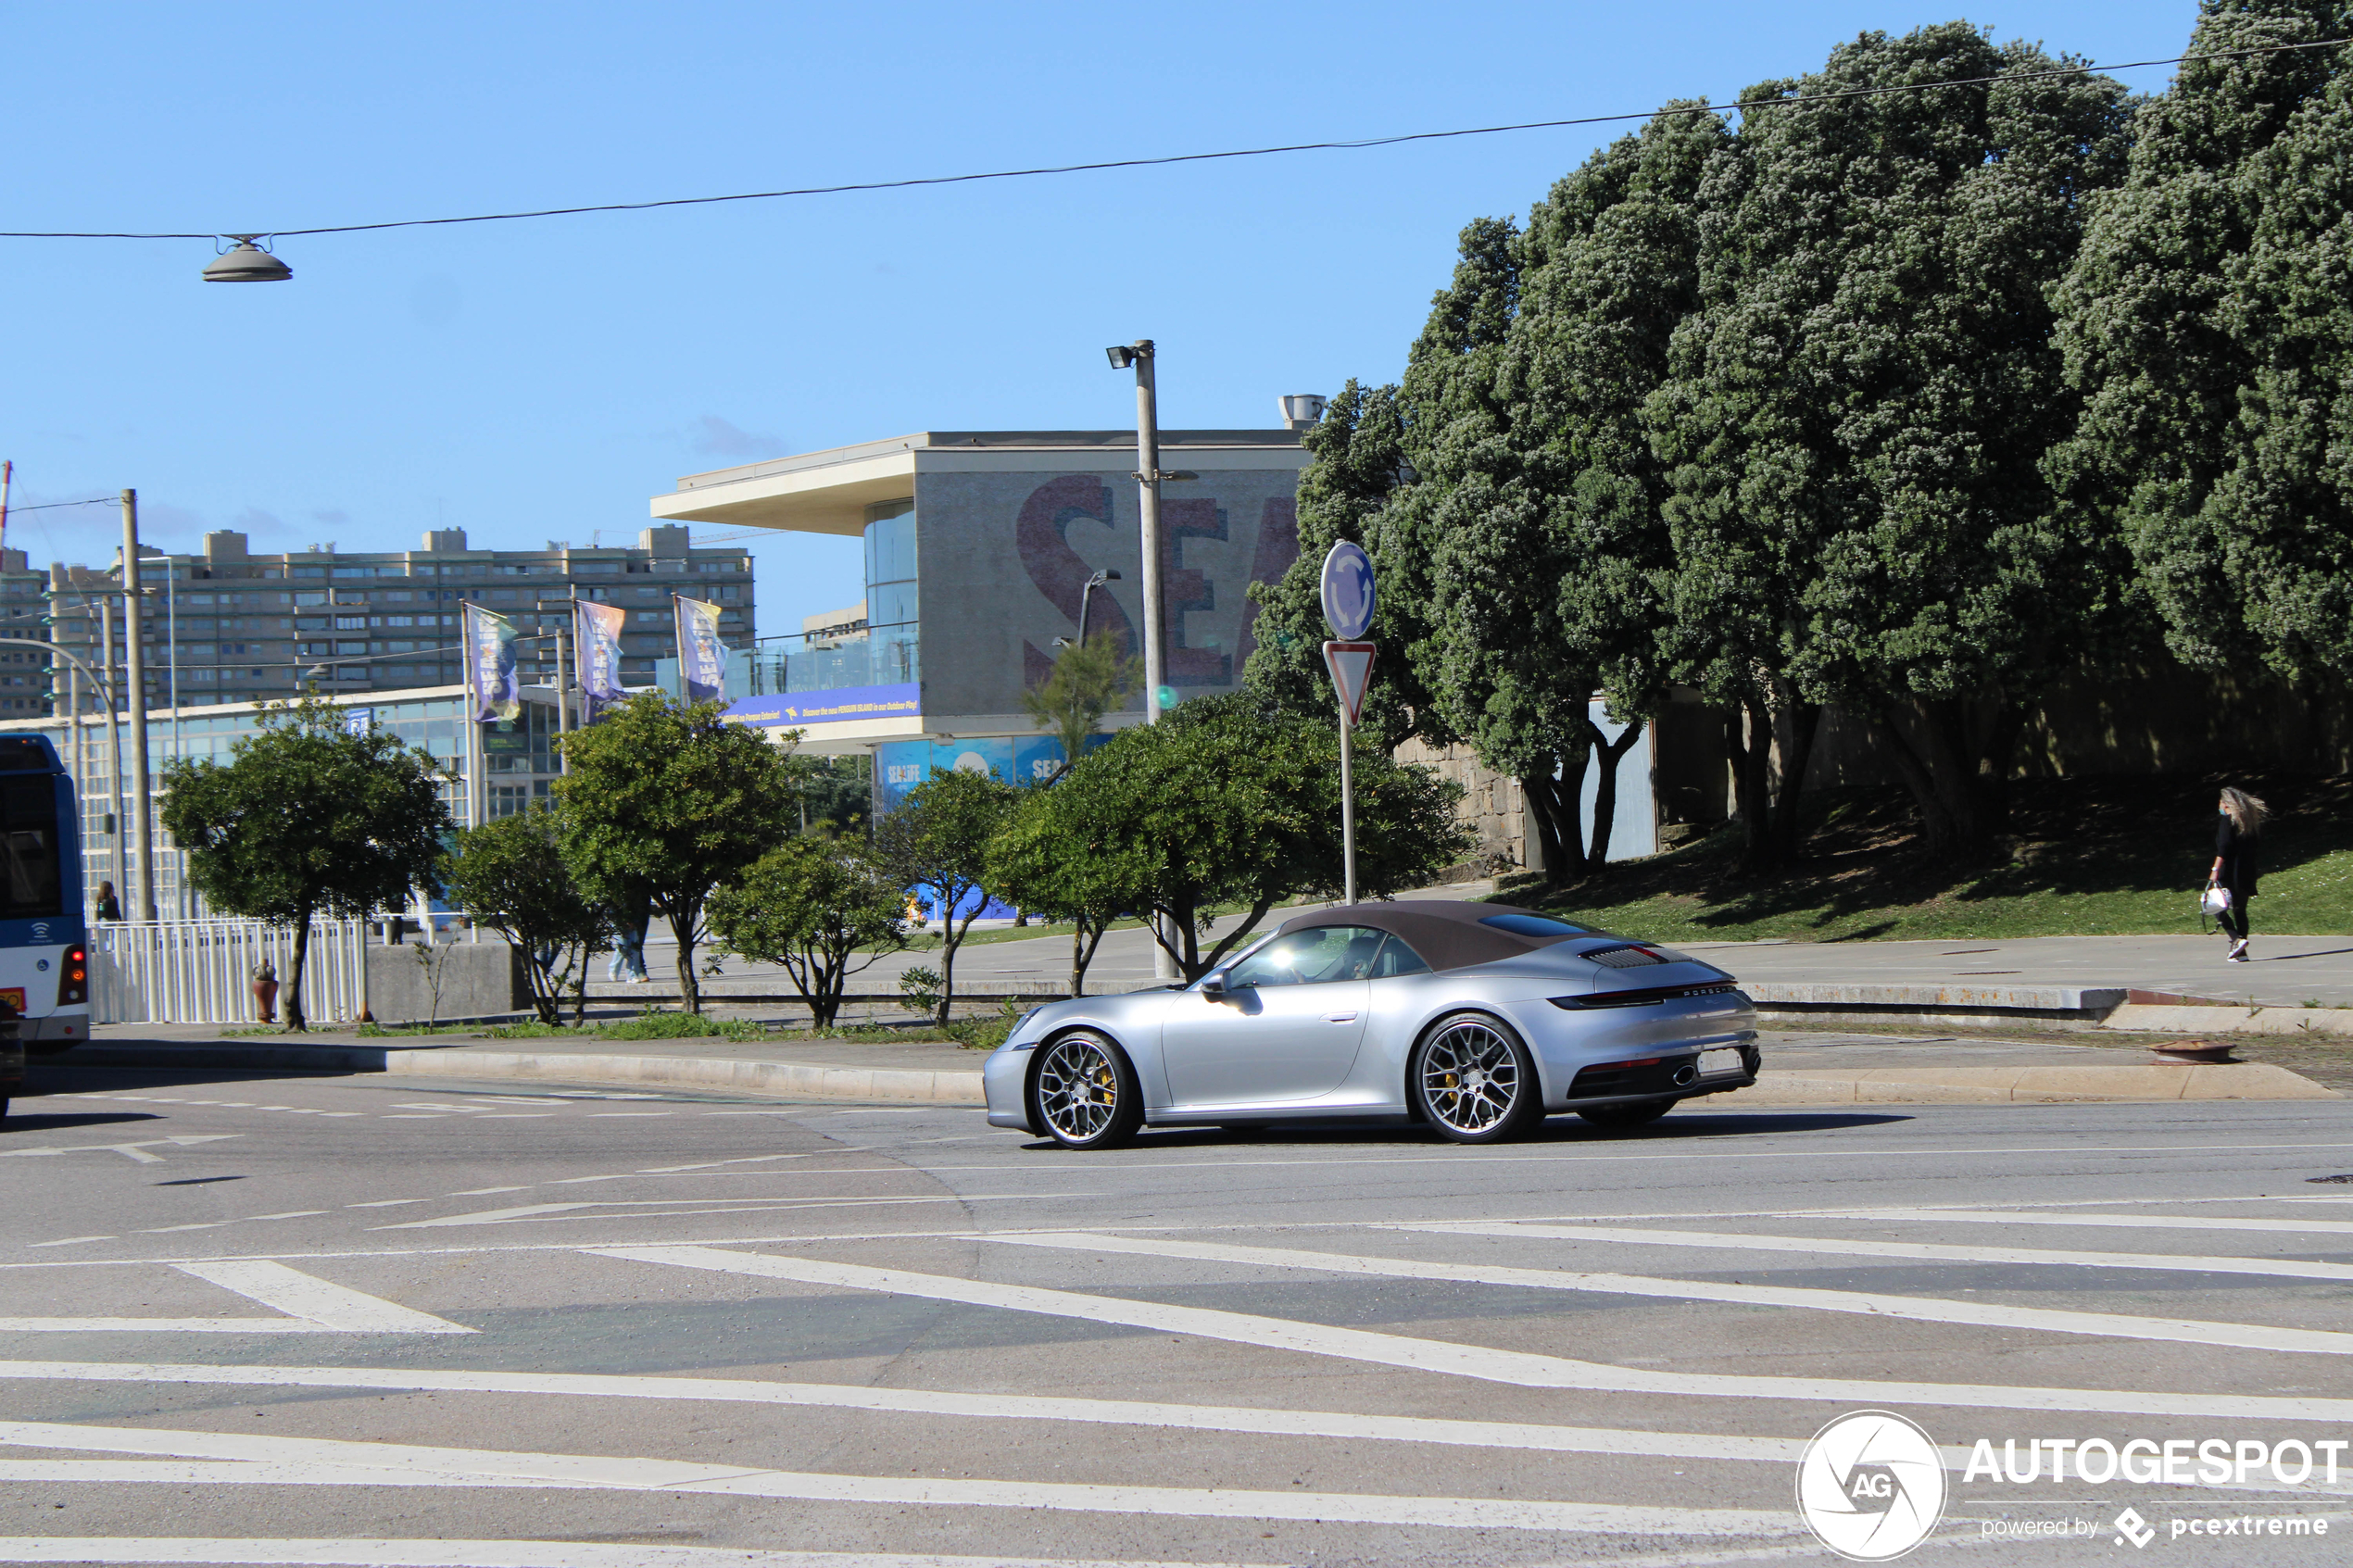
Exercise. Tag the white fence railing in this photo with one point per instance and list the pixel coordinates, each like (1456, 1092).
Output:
(201, 970)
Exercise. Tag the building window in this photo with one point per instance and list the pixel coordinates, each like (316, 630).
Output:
(892, 640)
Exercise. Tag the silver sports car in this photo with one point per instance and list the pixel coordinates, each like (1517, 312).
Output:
(1476, 1018)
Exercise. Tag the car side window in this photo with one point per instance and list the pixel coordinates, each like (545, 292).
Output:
(1312, 957)
(1397, 959)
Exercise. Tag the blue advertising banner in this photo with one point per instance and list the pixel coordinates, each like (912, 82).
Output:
(491, 680)
(702, 657)
(796, 710)
(899, 766)
(597, 641)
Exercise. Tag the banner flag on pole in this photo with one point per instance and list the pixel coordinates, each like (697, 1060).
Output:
(702, 657)
(491, 679)
(597, 649)
(1352, 668)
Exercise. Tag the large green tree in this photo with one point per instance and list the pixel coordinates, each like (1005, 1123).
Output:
(509, 874)
(669, 801)
(307, 817)
(819, 908)
(1358, 463)
(1234, 801)
(2209, 326)
(1859, 412)
(938, 839)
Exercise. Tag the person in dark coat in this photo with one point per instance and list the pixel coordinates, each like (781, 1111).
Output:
(109, 906)
(2238, 835)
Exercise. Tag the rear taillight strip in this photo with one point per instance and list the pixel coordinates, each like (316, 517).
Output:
(1640, 998)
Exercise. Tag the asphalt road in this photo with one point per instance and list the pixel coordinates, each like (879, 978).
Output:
(357, 1321)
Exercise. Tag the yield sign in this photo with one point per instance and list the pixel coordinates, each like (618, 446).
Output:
(1352, 668)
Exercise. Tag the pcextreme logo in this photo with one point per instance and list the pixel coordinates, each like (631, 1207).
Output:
(1871, 1486)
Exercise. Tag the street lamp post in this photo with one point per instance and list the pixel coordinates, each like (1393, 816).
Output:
(1087, 598)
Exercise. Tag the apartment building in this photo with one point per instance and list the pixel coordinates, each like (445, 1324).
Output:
(233, 626)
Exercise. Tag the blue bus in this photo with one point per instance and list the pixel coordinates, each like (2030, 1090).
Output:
(44, 947)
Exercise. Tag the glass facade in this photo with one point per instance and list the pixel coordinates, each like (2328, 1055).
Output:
(520, 765)
(889, 651)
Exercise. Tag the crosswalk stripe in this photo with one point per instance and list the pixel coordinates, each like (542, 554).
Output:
(2113, 1222)
(2283, 1268)
(1534, 1436)
(1917, 1308)
(1523, 1368)
(215, 1459)
(375, 1552)
(332, 1306)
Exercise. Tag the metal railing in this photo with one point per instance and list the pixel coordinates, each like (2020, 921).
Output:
(201, 970)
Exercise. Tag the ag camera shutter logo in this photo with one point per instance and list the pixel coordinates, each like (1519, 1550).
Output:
(1871, 1486)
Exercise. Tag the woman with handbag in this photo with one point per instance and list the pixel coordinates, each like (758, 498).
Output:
(2238, 833)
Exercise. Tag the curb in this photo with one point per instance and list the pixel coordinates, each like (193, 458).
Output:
(793, 1080)
(2221, 1018)
(2031, 1085)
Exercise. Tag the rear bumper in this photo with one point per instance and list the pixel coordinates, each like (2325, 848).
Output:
(57, 1032)
(1672, 1076)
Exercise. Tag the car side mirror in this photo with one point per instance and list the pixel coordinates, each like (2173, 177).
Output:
(1213, 984)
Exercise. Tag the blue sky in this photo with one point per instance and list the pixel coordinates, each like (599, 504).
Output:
(541, 380)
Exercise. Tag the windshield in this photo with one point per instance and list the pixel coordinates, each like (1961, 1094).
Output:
(29, 883)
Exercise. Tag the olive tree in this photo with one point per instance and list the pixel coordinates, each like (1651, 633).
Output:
(938, 838)
(509, 874)
(819, 908)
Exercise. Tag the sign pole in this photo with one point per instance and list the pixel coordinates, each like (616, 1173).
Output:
(1347, 804)
(1347, 592)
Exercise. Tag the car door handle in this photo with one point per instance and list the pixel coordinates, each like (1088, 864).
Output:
(1340, 1018)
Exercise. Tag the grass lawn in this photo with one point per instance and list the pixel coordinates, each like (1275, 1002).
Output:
(2089, 857)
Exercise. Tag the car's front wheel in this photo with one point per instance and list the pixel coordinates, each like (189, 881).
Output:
(1626, 1117)
(1473, 1081)
(1082, 1091)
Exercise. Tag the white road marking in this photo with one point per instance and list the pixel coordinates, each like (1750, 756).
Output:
(333, 1305)
(665, 1207)
(325, 1461)
(312, 1305)
(2286, 1268)
(2116, 1221)
(1525, 1368)
(73, 1241)
(1533, 1436)
(377, 1552)
(134, 1152)
(1917, 1308)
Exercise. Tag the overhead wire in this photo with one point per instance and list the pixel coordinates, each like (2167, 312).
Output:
(1106, 164)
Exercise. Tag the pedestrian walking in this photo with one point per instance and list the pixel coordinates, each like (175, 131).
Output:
(632, 918)
(2238, 833)
(109, 906)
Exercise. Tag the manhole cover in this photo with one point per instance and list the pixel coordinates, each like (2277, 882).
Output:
(2346, 1178)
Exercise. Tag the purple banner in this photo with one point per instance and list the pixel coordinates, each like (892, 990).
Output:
(597, 645)
(491, 679)
(702, 657)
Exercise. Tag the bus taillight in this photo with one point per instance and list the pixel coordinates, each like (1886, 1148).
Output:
(73, 984)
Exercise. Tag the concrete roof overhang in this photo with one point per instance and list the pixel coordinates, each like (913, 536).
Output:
(828, 492)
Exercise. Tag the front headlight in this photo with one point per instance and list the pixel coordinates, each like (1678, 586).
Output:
(1013, 1035)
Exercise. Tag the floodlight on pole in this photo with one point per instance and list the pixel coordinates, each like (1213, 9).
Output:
(247, 262)
(1087, 598)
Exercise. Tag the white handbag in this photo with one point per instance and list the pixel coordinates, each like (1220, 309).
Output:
(2214, 900)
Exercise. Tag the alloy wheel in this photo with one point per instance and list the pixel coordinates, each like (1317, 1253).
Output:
(1077, 1088)
(1470, 1078)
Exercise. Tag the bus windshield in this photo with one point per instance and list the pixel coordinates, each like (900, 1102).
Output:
(30, 885)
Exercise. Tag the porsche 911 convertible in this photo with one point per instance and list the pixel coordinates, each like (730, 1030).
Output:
(1478, 1020)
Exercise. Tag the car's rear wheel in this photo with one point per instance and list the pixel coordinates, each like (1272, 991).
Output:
(1624, 1118)
(1473, 1081)
(1082, 1091)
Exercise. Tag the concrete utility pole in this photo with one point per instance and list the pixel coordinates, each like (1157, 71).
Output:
(110, 692)
(1148, 506)
(142, 785)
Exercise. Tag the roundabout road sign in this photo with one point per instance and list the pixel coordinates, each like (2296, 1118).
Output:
(1348, 591)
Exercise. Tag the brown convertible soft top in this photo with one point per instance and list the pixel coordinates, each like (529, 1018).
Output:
(1447, 933)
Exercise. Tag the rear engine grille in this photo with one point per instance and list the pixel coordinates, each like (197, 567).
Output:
(1627, 957)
